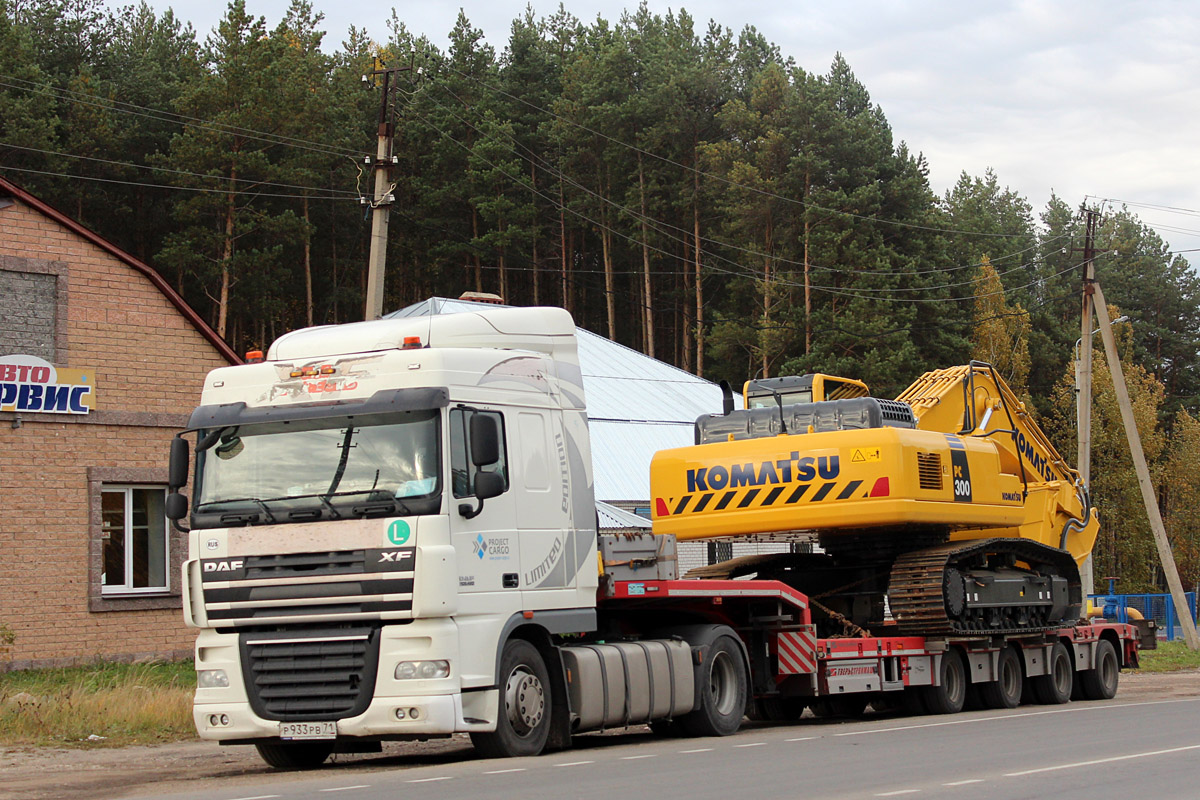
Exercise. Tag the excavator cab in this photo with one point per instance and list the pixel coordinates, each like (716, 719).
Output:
(791, 389)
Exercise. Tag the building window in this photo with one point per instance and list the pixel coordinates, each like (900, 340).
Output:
(134, 540)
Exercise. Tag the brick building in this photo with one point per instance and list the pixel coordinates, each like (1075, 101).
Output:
(100, 364)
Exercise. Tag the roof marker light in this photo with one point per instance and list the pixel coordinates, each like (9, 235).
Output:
(411, 343)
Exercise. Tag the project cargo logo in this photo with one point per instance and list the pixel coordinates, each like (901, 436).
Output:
(32, 385)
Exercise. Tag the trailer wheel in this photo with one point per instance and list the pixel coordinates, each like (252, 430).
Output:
(1100, 682)
(523, 722)
(951, 692)
(723, 691)
(1005, 691)
(777, 709)
(294, 755)
(1055, 686)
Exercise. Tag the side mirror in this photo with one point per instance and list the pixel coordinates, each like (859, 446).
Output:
(177, 506)
(485, 440)
(177, 473)
(488, 484)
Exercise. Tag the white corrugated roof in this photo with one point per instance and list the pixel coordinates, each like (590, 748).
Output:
(612, 518)
(636, 405)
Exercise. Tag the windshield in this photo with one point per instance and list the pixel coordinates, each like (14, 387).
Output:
(319, 469)
(785, 398)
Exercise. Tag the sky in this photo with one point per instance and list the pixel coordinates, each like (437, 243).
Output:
(1097, 100)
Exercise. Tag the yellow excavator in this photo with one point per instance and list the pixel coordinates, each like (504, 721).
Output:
(945, 511)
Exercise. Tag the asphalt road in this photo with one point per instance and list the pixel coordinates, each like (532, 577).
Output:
(1114, 749)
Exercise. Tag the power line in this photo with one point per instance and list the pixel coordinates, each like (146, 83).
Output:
(740, 270)
(1151, 206)
(171, 117)
(695, 170)
(164, 186)
(659, 225)
(176, 171)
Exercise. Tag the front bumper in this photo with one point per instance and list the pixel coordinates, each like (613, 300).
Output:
(226, 714)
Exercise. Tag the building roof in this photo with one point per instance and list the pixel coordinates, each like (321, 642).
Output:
(613, 518)
(10, 189)
(636, 405)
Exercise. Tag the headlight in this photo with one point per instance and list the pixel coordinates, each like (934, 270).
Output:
(212, 679)
(407, 670)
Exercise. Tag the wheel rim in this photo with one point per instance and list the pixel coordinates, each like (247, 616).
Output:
(956, 686)
(1062, 675)
(525, 700)
(1010, 677)
(721, 682)
(1108, 669)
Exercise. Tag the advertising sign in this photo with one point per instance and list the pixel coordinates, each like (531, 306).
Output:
(29, 384)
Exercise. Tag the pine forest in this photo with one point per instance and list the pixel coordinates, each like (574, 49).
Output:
(687, 190)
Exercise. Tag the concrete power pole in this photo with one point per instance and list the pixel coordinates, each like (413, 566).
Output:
(1166, 558)
(382, 197)
(1083, 380)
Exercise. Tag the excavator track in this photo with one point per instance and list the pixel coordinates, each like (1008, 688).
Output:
(930, 591)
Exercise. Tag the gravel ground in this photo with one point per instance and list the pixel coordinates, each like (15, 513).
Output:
(106, 773)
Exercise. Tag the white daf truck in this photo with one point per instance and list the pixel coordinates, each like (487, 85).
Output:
(392, 529)
(393, 535)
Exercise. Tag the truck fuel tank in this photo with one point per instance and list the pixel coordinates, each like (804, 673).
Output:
(628, 683)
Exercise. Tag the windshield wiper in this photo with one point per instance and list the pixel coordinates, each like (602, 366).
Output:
(261, 504)
(387, 502)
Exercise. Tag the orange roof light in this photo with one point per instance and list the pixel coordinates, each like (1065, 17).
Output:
(254, 356)
(411, 343)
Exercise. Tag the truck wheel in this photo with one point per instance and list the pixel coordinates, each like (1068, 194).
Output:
(951, 692)
(723, 691)
(1055, 686)
(523, 721)
(294, 755)
(1005, 691)
(777, 709)
(1100, 682)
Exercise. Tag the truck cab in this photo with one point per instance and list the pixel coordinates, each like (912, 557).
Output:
(377, 508)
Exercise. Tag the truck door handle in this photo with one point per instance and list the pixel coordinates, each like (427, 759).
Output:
(510, 580)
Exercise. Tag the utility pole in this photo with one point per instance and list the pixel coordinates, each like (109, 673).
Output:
(382, 197)
(1166, 558)
(1084, 375)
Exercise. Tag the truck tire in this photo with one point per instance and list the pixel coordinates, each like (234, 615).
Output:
(523, 719)
(1100, 682)
(1055, 686)
(723, 691)
(777, 709)
(950, 694)
(1005, 691)
(294, 755)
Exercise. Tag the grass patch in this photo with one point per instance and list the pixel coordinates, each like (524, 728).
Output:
(123, 703)
(1169, 657)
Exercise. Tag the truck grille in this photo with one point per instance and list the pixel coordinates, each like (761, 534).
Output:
(311, 676)
(293, 564)
(326, 587)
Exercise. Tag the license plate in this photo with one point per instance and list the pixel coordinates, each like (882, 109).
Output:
(308, 730)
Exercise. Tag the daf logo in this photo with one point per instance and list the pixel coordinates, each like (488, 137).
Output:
(223, 566)
(398, 555)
